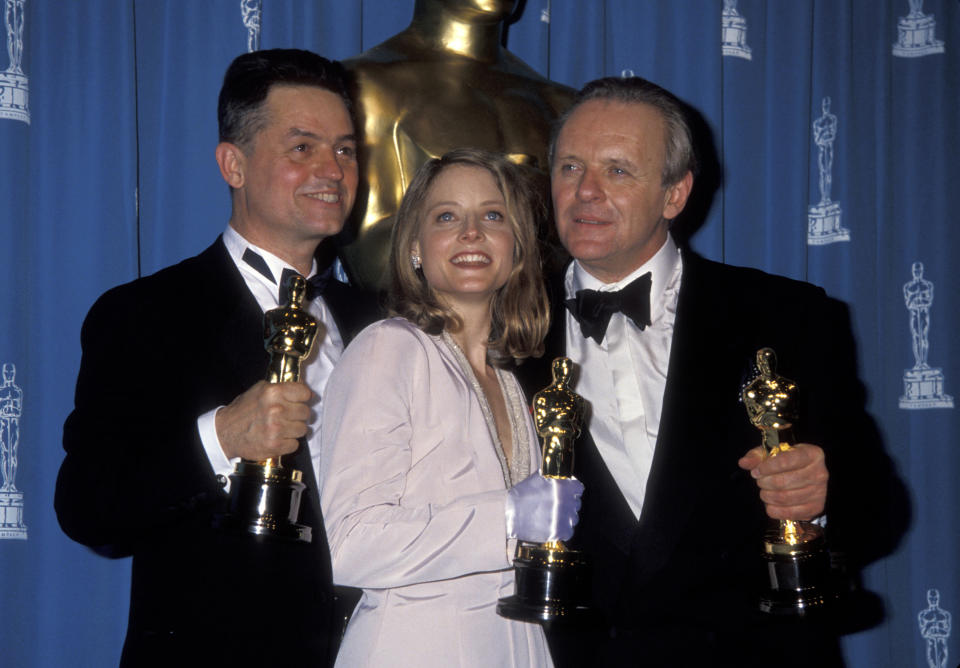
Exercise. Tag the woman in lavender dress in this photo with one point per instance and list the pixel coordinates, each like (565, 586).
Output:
(428, 471)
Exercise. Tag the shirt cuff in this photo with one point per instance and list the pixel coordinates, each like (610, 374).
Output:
(221, 464)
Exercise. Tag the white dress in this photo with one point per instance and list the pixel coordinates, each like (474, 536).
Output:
(413, 484)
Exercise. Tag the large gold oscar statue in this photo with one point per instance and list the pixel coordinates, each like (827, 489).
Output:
(445, 82)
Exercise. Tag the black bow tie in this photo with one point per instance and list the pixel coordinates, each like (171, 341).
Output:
(316, 284)
(593, 309)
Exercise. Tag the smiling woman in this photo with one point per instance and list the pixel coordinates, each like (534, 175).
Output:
(465, 240)
(429, 451)
(469, 201)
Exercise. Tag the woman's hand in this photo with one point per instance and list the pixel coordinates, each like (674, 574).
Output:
(542, 509)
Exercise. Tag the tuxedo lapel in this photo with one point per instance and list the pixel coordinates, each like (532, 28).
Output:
(352, 309)
(237, 317)
(687, 460)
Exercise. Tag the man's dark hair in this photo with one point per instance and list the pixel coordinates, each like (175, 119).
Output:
(248, 80)
(680, 156)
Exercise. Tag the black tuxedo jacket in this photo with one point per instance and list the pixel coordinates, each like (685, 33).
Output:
(679, 586)
(158, 353)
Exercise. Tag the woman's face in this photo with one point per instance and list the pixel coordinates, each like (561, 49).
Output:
(465, 241)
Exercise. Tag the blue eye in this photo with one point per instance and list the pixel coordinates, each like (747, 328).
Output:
(493, 215)
(445, 217)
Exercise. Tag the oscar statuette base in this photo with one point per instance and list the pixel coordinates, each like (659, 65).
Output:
(799, 578)
(552, 585)
(265, 501)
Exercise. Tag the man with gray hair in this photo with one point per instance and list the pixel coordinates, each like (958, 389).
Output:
(676, 498)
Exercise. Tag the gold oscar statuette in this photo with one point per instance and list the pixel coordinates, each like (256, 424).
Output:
(265, 495)
(552, 581)
(795, 552)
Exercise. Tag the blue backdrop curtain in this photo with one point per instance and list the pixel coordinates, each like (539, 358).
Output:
(107, 130)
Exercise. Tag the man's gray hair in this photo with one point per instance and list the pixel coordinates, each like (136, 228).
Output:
(680, 157)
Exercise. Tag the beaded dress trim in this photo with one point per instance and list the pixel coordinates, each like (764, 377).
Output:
(519, 467)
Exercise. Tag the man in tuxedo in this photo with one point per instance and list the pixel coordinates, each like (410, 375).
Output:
(678, 492)
(171, 390)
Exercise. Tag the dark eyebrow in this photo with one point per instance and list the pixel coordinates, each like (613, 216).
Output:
(297, 132)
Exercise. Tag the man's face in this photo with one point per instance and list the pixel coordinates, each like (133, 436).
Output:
(611, 207)
(297, 180)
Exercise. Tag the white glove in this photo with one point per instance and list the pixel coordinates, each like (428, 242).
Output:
(542, 509)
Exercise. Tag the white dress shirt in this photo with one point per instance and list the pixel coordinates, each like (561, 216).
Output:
(314, 370)
(624, 376)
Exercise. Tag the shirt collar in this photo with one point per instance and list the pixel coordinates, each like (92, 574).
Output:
(661, 267)
(236, 245)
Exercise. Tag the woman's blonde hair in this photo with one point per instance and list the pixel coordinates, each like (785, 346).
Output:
(519, 311)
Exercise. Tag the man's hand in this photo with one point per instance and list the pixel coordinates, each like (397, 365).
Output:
(793, 484)
(265, 421)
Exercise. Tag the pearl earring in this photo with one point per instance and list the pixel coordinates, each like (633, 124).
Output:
(415, 261)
